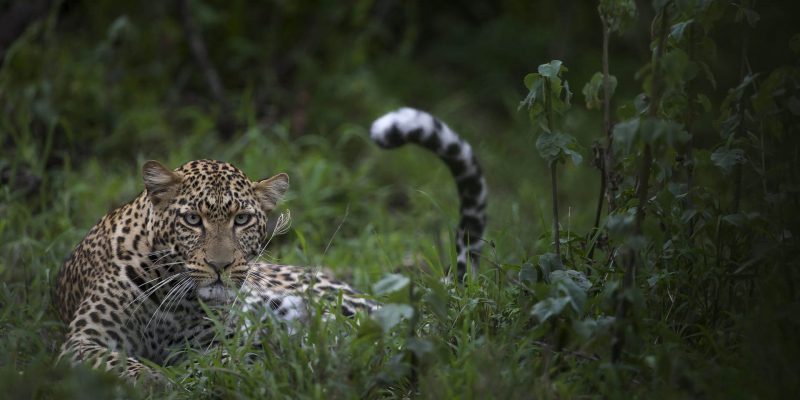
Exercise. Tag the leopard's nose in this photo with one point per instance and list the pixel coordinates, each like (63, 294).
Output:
(218, 265)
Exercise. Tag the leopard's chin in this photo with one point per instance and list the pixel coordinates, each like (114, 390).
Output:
(217, 293)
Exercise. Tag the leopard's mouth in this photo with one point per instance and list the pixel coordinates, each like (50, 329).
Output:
(217, 292)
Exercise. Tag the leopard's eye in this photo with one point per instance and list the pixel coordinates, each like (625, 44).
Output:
(192, 219)
(242, 219)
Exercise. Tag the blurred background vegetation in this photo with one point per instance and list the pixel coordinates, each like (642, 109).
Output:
(89, 90)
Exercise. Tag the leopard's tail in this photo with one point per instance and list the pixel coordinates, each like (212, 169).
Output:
(410, 125)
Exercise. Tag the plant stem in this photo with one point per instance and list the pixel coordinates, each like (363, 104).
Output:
(554, 183)
(548, 106)
(688, 159)
(600, 164)
(608, 161)
(629, 278)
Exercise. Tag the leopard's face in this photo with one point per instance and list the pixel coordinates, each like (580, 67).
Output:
(214, 221)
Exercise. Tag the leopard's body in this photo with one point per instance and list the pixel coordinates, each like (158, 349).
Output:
(141, 283)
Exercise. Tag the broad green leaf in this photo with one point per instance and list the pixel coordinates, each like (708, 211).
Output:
(620, 225)
(419, 346)
(677, 30)
(566, 283)
(549, 262)
(589, 327)
(549, 307)
(535, 85)
(656, 131)
(551, 69)
(625, 134)
(555, 146)
(725, 158)
(618, 15)
(390, 284)
(593, 90)
(389, 315)
(704, 101)
(527, 273)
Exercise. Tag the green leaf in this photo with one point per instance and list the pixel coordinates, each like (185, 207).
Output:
(527, 273)
(617, 15)
(389, 315)
(593, 90)
(589, 327)
(390, 284)
(656, 131)
(573, 284)
(625, 134)
(551, 69)
(620, 225)
(532, 100)
(677, 30)
(419, 346)
(555, 146)
(704, 101)
(549, 262)
(549, 307)
(725, 158)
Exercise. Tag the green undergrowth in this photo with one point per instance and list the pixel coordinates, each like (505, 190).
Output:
(693, 297)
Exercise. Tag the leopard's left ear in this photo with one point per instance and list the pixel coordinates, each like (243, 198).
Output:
(271, 190)
(161, 183)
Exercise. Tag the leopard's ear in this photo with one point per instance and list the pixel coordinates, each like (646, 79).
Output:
(271, 190)
(161, 182)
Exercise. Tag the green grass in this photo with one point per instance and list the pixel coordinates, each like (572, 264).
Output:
(81, 109)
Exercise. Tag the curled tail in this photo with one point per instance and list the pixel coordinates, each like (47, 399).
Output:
(410, 125)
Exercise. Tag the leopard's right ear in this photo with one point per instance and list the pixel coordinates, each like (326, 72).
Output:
(161, 182)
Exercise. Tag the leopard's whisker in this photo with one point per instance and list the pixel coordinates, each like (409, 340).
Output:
(140, 299)
(183, 287)
(169, 294)
(149, 291)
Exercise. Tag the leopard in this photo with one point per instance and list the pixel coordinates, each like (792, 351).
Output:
(142, 282)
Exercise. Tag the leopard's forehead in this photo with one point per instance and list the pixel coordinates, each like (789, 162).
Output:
(215, 185)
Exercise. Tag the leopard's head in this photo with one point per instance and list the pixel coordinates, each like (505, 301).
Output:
(212, 219)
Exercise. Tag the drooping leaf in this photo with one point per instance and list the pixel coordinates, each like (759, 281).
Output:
(625, 135)
(527, 273)
(549, 262)
(726, 158)
(389, 315)
(677, 30)
(549, 307)
(593, 90)
(566, 284)
(390, 284)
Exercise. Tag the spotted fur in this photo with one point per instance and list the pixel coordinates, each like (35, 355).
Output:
(408, 125)
(135, 286)
(132, 288)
